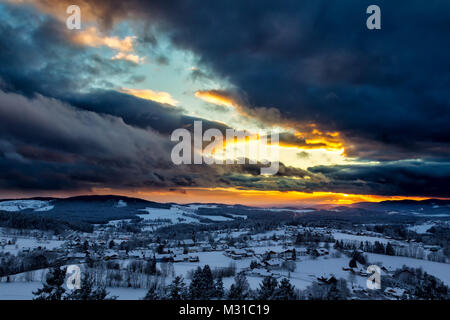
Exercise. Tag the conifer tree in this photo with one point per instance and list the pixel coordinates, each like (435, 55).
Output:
(267, 288)
(177, 289)
(153, 292)
(240, 289)
(53, 287)
(219, 288)
(196, 284)
(390, 249)
(88, 292)
(285, 291)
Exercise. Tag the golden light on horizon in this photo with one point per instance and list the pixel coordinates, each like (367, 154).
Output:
(257, 198)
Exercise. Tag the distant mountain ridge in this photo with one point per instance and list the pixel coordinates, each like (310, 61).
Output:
(104, 208)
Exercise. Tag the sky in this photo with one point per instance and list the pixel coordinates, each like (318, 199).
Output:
(362, 115)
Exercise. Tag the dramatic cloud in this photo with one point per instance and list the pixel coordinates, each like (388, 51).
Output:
(316, 62)
(90, 37)
(309, 67)
(158, 96)
(47, 132)
(128, 57)
(406, 178)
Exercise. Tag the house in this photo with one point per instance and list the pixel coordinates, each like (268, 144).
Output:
(177, 251)
(259, 272)
(318, 252)
(76, 255)
(394, 292)
(135, 254)
(237, 254)
(194, 249)
(287, 254)
(110, 257)
(194, 259)
(250, 252)
(301, 252)
(206, 247)
(273, 263)
(180, 258)
(164, 257)
(330, 280)
(187, 242)
(348, 269)
(385, 269)
(271, 254)
(363, 273)
(405, 275)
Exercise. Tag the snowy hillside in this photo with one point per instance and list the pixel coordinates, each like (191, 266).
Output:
(19, 205)
(180, 214)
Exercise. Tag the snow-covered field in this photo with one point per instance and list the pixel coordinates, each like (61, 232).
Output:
(290, 210)
(174, 214)
(216, 218)
(180, 214)
(421, 228)
(278, 239)
(437, 269)
(307, 270)
(24, 291)
(19, 205)
(28, 243)
(352, 237)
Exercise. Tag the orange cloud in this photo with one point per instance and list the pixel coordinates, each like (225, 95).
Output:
(216, 97)
(92, 38)
(305, 136)
(147, 94)
(128, 57)
(90, 10)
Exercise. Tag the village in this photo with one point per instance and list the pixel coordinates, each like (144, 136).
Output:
(303, 255)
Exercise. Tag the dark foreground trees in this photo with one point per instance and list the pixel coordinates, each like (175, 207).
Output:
(88, 291)
(270, 290)
(53, 288)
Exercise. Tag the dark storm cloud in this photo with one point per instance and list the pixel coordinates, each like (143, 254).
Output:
(386, 91)
(314, 61)
(46, 144)
(41, 58)
(138, 112)
(54, 135)
(47, 141)
(397, 178)
(405, 178)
